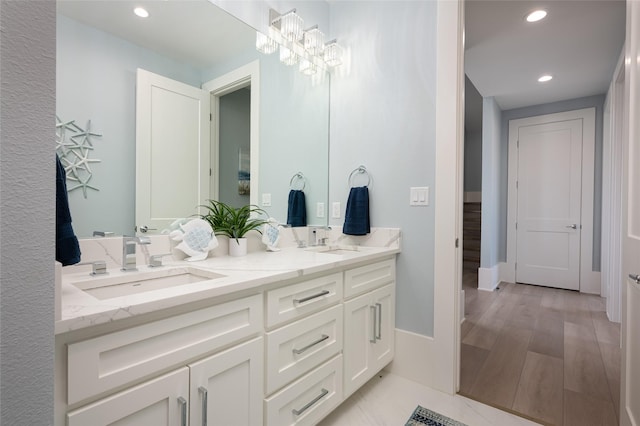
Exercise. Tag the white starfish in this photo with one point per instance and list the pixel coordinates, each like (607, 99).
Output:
(85, 135)
(84, 184)
(84, 160)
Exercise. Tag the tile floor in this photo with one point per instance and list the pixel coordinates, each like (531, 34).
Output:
(389, 400)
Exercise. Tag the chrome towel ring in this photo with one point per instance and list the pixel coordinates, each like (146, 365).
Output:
(296, 179)
(357, 171)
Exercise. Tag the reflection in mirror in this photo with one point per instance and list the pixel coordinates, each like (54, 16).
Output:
(101, 44)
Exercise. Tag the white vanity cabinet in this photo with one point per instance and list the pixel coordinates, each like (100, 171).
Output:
(288, 354)
(369, 323)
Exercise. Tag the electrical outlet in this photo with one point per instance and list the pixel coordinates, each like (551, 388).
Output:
(335, 210)
(320, 210)
(266, 200)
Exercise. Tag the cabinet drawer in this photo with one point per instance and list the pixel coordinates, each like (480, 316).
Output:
(368, 277)
(308, 400)
(292, 301)
(299, 347)
(105, 362)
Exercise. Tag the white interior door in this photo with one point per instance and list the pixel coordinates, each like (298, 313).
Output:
(549, 204)
(630, 380)
(172, 150)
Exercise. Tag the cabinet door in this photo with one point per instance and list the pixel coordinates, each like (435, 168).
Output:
(226, 388)
(159, 402)
(384, 302)
(358, 335)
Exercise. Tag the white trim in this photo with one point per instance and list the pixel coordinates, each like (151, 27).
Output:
(444, 363)
(243, 76)
(473, 197)
(589, 280)
(488, 278)
(413, 354)
(505, 273)
(612, 167)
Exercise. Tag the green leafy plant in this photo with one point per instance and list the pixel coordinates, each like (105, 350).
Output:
(234, 222)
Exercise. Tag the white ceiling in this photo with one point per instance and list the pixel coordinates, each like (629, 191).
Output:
(579, 43)
(195, 32)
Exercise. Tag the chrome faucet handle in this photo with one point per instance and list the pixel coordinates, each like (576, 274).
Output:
(155, 260)
(98, 267)
(323, 241)
(103, 234)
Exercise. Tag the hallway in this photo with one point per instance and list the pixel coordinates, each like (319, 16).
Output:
(550, 355)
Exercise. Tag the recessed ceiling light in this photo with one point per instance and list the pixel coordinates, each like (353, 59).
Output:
(536, 15)
(141, 12)
(545, 78)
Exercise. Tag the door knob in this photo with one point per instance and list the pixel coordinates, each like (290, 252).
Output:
(145, 228)
(635, 277)
(573, 226)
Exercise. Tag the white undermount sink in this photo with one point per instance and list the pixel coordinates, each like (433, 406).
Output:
(336, 249)
(128, 283)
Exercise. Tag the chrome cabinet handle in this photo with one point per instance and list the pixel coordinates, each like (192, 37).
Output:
(373, 322)
(635, 277)
(203, 391)
(379, 334)
(145, 228)
(310, 403)
(310, 345)
(306, 299)
(183, 411)
(574, 226)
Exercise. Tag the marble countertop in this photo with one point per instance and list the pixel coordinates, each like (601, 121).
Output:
(79, 309)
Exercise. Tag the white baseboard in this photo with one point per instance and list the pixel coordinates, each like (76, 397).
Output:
(413, 355)
(473, 197)
(507, 272)
(488, 278)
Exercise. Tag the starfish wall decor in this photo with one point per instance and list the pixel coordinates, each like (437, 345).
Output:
(73, 145)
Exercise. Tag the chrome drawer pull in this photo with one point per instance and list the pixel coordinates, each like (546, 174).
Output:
(310, 403)
(379, 335)
(635, 277)
(203, 392)
(373, 321)
(320, 340)
(183, 411)
(306, 299)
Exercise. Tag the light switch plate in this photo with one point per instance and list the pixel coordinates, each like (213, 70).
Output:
(266, 200)
(320, 210)
(419, 196)
(335, 210)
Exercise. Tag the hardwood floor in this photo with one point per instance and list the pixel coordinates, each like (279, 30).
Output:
(547, 354)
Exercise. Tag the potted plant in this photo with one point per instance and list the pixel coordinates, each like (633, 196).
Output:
(234, 222)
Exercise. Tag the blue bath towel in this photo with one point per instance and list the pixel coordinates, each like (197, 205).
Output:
(297, 211)
(67, 247)
(356, 217)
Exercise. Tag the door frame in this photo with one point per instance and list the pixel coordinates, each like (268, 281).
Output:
(246, 75)
(589, 279)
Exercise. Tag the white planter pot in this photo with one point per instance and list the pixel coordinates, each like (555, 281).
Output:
(237, 247)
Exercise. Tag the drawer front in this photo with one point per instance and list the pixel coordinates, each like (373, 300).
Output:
(292, 301)
(299, 347)
(105, 362)
(308, 400)
(365, 278)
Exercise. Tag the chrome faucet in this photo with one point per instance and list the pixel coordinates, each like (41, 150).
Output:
(313, 236)
(129, 251)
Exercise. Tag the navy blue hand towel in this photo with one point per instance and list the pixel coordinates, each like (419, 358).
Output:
(297, 211)
(67, 247)
(356, 217)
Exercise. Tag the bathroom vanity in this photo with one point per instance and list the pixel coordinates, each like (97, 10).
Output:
(273, 338)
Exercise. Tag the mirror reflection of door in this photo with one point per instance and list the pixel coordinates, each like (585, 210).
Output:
(234, 150)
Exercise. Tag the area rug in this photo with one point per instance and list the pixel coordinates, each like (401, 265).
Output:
(422, 416)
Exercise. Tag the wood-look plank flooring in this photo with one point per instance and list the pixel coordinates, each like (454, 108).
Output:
(550, 355)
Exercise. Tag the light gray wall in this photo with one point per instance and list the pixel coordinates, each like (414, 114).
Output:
(568, 105)
(472, 138)
(235, 127)
(27, 211)
(96, 80)
(491, 179)
(383, 116)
